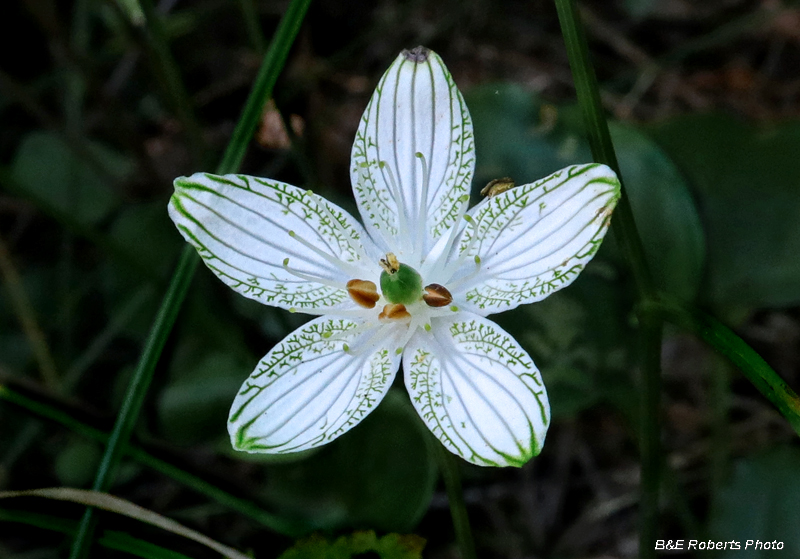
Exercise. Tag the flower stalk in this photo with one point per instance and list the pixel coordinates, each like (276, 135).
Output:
(626, 233)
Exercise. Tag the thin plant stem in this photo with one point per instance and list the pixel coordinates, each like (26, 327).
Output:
(625, 231)
(262, 89)
(120, 541)
(651, 332)
(134, 396)
(448, 465)
(137, 389)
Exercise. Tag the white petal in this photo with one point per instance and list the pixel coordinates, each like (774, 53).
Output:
(241, 227)
(308, 391)
(535, 239)
(405, 200)
(477, 390)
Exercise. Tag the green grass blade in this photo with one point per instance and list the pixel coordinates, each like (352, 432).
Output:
(136, 391)
(599, 137)
(744, 357)
(448, 466)
(626, 233)
(262, 89)
(242, 506)
(121, 541)
(270, 69)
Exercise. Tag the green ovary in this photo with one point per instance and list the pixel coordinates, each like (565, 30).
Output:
(402, 287)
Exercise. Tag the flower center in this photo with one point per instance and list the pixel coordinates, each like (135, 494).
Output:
(400, 283)
(401, 287)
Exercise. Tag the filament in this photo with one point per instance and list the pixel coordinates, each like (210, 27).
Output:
(338, 263)
(402, 226)
(464, 254)
(423, 209)
(308, 277)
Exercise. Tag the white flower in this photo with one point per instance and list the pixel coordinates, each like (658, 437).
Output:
(416, 281)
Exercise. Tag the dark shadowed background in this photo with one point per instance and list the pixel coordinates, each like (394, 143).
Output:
(704, 101)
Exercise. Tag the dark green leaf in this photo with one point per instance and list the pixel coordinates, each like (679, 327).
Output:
(48, 170)
(381, 474)
(194, 406)
(518, 136)
(665, 213)
(76, 463)
(760, 504)
(746, 181)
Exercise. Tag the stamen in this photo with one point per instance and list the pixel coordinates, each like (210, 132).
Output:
(363, 292)
(394, 313)
(437, 295)
(338, 263)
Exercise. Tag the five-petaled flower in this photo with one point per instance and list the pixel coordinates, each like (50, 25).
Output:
(413, 283)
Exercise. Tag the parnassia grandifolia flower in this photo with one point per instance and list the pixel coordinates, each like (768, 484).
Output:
(413, 283)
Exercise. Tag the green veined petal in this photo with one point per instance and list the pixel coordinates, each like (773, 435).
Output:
(536, 238)
(478, 391)
(413, 156)
(245, 229)
(308, 391)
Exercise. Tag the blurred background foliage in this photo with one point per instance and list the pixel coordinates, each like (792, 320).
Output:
(704, 100)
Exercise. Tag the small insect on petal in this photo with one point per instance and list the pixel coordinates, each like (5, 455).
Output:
(363, 292)
(437, 295)
(394, 313)
(497, 186)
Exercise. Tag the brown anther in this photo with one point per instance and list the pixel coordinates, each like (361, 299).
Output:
(394, 312)
(363, 292)
(497, 186)
(437, 295)
(390, 264)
